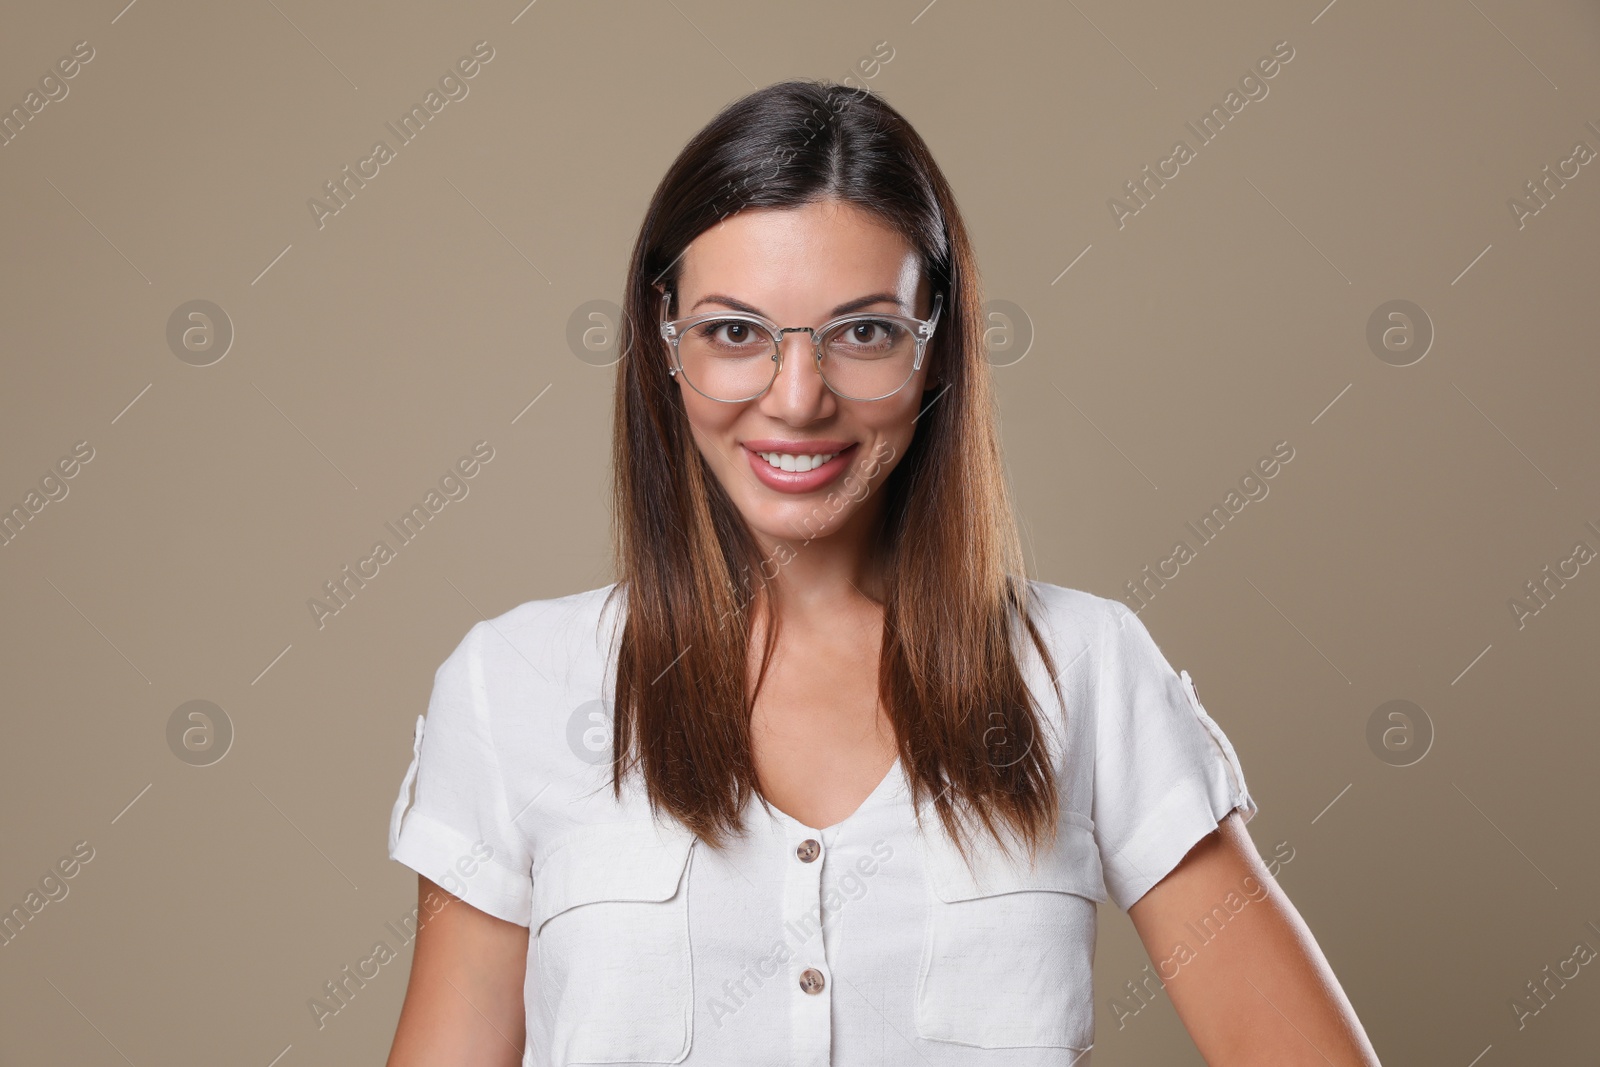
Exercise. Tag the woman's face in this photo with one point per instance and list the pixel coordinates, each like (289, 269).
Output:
(803, 266)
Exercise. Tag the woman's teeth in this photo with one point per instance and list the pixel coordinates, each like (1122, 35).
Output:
(787, 462)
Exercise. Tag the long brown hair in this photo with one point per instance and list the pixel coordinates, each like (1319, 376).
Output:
(689, 569)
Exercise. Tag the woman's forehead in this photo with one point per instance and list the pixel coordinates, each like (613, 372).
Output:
(819, 255)
(809, 239)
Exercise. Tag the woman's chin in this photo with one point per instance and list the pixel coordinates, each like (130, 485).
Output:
(795, 523)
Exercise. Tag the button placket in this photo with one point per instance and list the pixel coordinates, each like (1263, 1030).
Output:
(810, 998)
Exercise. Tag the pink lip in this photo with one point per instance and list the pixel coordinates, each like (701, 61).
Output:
(797, 481)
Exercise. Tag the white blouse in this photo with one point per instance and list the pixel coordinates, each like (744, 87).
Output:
(865, 942)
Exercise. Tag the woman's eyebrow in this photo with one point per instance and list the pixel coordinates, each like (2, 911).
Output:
(842, 309)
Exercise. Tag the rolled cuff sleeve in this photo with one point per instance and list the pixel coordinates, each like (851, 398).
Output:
(450, 822)
(1165, 773)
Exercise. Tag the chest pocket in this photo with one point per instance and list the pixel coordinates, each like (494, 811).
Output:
(1008, 952)
(610, 912)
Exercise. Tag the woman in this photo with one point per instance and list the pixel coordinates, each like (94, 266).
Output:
(822, 778)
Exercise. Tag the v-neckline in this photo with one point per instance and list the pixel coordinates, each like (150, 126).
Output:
(890, 777)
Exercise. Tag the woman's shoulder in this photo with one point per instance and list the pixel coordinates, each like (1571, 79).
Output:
(549, 637)
(555, 613)
(1070, 612)
(1114, 631)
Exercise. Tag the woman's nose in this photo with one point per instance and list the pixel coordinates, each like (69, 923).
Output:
(799, 387)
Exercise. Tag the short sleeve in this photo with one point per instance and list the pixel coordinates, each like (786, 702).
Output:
(457, 830)
(1165, 775)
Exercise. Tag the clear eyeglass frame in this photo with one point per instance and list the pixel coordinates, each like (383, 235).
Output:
(672, 331)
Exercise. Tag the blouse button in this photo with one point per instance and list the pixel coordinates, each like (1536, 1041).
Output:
(809, 850)
(811, 980)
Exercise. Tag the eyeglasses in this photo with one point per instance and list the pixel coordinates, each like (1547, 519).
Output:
(735, 357)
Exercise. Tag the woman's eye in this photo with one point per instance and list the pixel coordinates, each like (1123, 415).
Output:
(872, 334)
(731, 333)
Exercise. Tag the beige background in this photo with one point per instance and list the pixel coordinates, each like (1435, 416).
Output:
(369, 355)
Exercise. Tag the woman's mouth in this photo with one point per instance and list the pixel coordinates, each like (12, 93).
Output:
(799, 467)
(787, 462)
